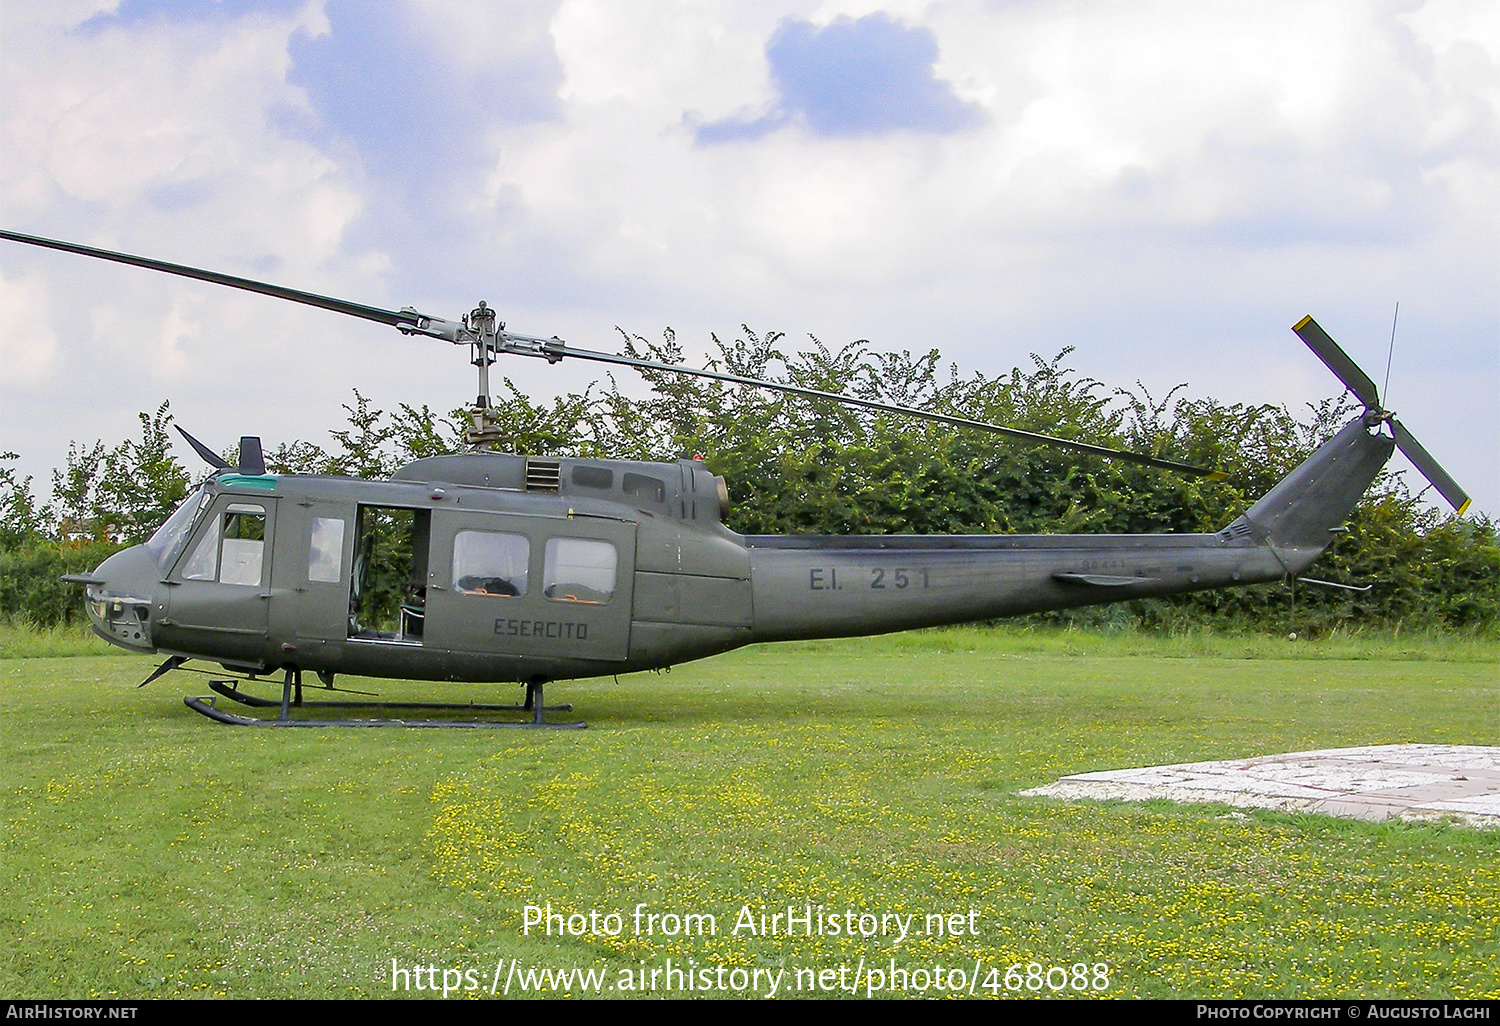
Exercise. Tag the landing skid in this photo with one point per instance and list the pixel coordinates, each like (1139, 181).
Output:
(291, 698)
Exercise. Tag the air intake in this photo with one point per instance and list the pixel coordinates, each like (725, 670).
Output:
(1238, 529)
(543, 475)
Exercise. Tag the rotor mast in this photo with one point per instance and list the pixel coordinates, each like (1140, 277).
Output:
(482, 328)
(486, 337)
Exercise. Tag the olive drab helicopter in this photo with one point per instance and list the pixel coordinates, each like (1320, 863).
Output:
(529, 570)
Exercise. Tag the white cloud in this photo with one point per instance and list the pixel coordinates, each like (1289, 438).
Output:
(169, 125)
(28, 345)
(664, 58)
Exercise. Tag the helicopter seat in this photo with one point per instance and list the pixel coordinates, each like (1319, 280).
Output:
(478, 585)
(413, 619)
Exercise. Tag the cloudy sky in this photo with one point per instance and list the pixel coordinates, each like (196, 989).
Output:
(1167, 186)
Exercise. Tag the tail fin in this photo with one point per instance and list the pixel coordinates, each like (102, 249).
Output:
(1298, 517)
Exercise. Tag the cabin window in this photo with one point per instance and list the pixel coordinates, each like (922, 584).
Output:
(325, 558)
(594, 477)
(579, 570)
(232, 554)
(642, 487)
(490, 563)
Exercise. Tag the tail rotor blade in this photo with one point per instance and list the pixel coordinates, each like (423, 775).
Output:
(1446, 486)
(1345, 369)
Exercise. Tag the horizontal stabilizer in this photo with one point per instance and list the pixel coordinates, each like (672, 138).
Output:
(1101, 580)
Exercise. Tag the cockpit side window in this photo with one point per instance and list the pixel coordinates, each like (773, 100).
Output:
(233, 552)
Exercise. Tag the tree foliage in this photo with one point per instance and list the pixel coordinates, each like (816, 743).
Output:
(816, 466)
(120, 494)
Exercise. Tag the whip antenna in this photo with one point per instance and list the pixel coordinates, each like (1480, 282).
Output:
(1386, 388)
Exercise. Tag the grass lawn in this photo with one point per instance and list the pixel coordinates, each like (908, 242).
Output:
(150, 853)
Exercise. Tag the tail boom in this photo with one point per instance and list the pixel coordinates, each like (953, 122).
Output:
(817, 586)
(831, 586)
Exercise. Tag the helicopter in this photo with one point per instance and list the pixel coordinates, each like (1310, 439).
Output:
(528, 569)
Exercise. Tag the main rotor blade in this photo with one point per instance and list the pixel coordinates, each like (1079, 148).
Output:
(555, 350)
(412, 322)
(1345, 369)
(393, 318)
(1423, 461)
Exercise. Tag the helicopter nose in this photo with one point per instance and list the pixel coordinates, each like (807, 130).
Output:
(121, 596)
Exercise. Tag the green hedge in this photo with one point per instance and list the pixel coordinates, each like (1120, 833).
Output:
(31, 585)
(795, 465)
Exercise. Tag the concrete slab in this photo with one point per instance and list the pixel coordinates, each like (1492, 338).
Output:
(1458, 783)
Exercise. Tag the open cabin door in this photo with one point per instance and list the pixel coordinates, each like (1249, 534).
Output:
(509, 584)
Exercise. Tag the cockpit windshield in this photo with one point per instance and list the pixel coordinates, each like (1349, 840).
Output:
(168, 539)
